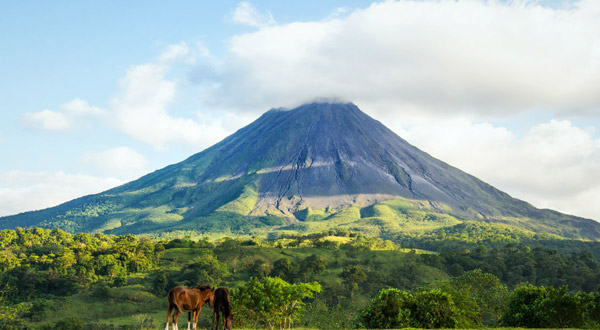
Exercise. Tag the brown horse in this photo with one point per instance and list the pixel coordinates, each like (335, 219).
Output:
(222, 304)
(188, 300)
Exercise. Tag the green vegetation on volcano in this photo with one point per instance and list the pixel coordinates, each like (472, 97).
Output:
(317, 167)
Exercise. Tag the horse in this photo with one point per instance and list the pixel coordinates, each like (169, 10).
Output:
(188, 300)
(222, 304)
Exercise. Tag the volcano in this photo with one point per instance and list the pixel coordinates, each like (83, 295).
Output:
(317, 166)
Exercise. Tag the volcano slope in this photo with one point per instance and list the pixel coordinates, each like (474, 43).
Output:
(312, 168)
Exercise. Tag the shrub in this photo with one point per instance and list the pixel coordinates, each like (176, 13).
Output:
(394, 308)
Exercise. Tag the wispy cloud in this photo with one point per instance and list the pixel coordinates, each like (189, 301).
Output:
(120, 162)
(246, 14)
(178, 52)
(25, 191)
(80, 107)
(63, 120)
(553, 165)
(142, 110)
(48, 120)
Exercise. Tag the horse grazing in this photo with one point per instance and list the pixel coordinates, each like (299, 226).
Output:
(188, 300)
(222, 304)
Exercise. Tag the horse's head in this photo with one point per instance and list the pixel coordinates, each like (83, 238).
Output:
(208, 293)
(211, 298)
(229, 321)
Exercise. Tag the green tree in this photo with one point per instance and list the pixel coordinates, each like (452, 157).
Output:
(352, 276)
(283, 268)
(159, 283)
(432, 309)
(310, 266)
(540, 307)
(386, 311)
(479, 296)
(271, 302)
(11, 317)
(206, 269)
(260, 268)
(69, 323)
(393, 308)
(101, 292)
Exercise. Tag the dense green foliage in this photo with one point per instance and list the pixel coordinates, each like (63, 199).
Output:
(548, 307)
(50, 279)
(394, 308)
(456, 307)
(271, 302)
(480, 298)
(472, 234)
(39, 262)
(515, 264)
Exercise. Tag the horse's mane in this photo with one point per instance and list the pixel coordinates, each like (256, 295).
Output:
(203, 287)
(227, 310)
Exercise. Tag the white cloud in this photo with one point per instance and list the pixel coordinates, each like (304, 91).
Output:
(142, 111)
(178, 52)
(482, 57)
(61, 120)
(246, 14)
(48, 120)
(25, 191)
(121, 162)
(78, 106)
(554, 165)
(414, 65)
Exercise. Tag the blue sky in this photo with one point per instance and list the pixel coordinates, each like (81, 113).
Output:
(94, 94)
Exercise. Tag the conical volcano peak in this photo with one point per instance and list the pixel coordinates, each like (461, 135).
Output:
(328, 106)
(324, 120)
(321, 106)
(324, 156)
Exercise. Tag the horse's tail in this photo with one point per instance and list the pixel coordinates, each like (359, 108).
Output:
(171, 300)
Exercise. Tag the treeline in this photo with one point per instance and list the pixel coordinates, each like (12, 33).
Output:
(512, 285)
(515, 264)
(355, 240)
(39, 262)
(472, 234)
(476, 299)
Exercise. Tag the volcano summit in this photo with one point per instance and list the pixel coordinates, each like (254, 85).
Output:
(318, 166)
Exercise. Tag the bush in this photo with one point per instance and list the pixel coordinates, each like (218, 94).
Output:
(540, 307)
(393, 308)
(69, 323)
(101, 291)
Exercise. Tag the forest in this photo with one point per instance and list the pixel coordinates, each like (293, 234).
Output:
(336, 279)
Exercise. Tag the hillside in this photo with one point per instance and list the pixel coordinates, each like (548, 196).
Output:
(319, 166)
(110, 282)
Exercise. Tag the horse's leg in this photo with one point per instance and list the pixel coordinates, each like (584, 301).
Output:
(168, 316)
(196, 314)
(189, 319)
(215, 323)
(175, 319)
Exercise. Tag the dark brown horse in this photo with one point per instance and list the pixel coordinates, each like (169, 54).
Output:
(188, 300)
(222, 304)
